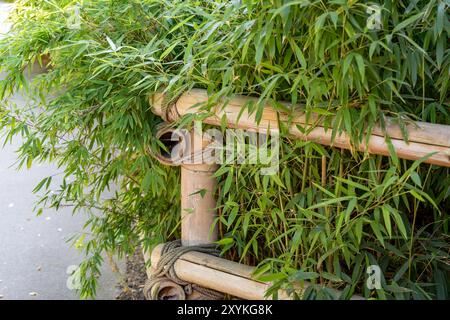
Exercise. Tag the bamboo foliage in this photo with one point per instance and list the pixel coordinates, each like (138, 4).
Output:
(328, 214)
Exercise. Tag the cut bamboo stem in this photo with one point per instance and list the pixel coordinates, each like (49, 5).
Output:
(198, 205)
(224, 276)
(424, 138)
(218, 274)
(197, 187)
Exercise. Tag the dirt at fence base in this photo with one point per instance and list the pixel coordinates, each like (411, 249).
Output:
(133, 283)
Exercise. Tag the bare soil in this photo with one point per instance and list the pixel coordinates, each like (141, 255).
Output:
(133, 283)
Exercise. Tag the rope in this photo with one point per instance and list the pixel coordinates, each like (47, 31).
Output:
(170, 111)
(165, 268)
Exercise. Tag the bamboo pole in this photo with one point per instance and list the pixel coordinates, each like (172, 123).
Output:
(424, 138)
(224, 276)
(217, 274)
(197, 186)
(198, 205)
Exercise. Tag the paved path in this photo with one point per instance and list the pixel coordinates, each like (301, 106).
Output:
(34, 253)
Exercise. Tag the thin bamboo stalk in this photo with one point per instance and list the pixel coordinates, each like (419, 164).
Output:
(424, 138)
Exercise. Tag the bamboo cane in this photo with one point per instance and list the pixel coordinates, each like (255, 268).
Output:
(424, 138)
(198, 205)
(225, 276)
(197, 187)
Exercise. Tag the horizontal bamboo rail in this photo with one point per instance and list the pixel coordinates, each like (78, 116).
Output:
(222, 275)
(424, 138)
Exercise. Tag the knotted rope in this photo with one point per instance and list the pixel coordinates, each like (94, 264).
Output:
(165, 268)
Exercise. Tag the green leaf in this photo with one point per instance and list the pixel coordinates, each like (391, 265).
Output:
(271, 277)
(302, 275)
(330, 202)
(361, 66)
(416, 178)
(228, 181)
(387, 220)
(181, 23)
(168, 50)
(299, 54)
(376, 229)
(392, 151)
(201, 192)
(351, 205)
(346, 64)
(225, 241)
(399, 223)
(147, 181)
(416, 195)
(407, 22)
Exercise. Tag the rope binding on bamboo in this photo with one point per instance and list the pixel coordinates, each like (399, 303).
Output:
(165, 270)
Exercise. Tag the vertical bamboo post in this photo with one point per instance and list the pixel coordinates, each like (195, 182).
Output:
(197, 183)
(198, 204)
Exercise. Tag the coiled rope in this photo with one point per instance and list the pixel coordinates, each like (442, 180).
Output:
(165, 268)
